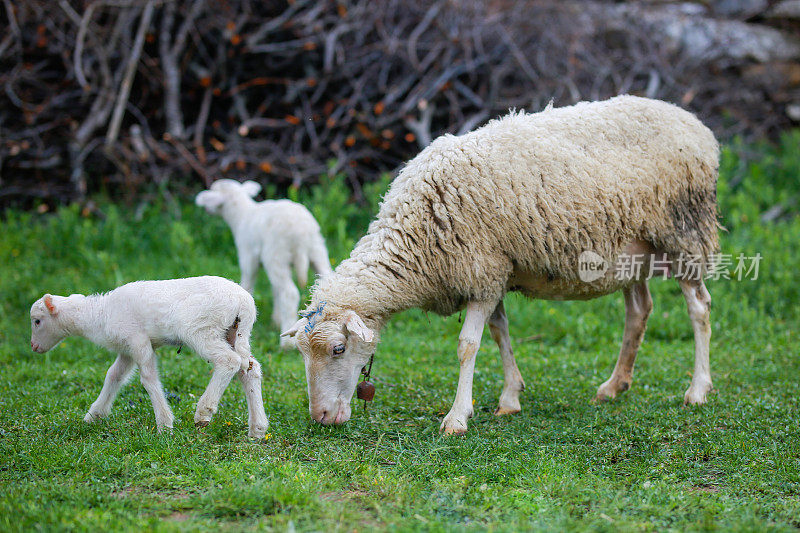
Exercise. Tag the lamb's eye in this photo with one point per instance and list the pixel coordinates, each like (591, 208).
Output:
(37, 322)
(338, 349)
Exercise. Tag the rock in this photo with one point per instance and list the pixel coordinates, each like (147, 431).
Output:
(787, 9)
(684, 29)
(740, 9)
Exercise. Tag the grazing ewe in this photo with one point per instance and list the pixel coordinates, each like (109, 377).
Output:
(511, 207)
(280, 233)
(212, 316)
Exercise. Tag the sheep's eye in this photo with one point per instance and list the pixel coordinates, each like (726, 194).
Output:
(37, 322)
(338, 349)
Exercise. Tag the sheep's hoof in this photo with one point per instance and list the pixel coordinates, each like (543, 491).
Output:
(608, 390)
(165, 429)
(201, 423)
(502, 410)
(451, 425)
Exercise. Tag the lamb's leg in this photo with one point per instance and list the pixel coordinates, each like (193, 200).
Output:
(513, 383)
(148, 374)
(698, 303)
(226, 363)
(455, 423)
(251, 383)
(284, 293)
(118, 373)
(248, 265)
(638, 305)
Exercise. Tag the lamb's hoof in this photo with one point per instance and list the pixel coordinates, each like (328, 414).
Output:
(201, 423)
(258, 432)
(503, 410)
(91, 419)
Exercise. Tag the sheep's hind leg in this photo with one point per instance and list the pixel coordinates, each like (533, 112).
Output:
(251, 383)
(148, 374)
(118, 373)
(513, 383)
(455, 422)
(226, 363)
(638, 305)
(698, 303)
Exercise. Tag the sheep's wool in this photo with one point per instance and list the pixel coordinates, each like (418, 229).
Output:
(530, 192)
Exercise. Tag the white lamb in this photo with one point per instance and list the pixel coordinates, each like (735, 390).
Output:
(280, 233)
(213, 316)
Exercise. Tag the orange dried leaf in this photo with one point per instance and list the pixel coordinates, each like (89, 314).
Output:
(236, 39)
(230, 26)
(378, 109)
(387, 134)
(309, 45)
(291, 119)
(218, 145)
(410, 137)
(265, 167)
(205, 81)
(349, 141)
(341, 9)
(241, 164)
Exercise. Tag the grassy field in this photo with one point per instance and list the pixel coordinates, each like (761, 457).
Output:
(642, 462)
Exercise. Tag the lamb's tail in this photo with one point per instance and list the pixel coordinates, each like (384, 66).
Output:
(238, 333)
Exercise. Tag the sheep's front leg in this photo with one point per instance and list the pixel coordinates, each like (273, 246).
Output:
(284, 293)
(513, 383)
(226, 363)
(455, 423)
(638, 305)
(698, 303)
(148, 374)
(251, 383)
(118, 373)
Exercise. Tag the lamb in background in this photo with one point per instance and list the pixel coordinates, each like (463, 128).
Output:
(512, 206)
(280, 233)
(212, 316)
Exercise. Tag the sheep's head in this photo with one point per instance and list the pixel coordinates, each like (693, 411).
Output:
(336, 344)
(46, 327)
(225, 191)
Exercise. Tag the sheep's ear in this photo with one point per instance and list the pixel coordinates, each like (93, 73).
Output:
(210, 199)
(292, 331)
(354, 324)
(251, 188)
(48, 303)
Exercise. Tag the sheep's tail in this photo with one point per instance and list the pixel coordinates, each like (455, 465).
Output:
(238, 334)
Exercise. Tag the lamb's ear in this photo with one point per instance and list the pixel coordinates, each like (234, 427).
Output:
(292, 331)
(48, 303)
(210, 199)
(354, 324)
(251, 188)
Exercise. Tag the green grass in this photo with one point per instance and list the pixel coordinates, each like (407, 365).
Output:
(642, 462)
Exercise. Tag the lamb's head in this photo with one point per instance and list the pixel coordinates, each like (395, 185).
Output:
(47, 328)
(224, 192)
(336, 344)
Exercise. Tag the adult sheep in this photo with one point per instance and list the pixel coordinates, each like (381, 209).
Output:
(511, 206)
